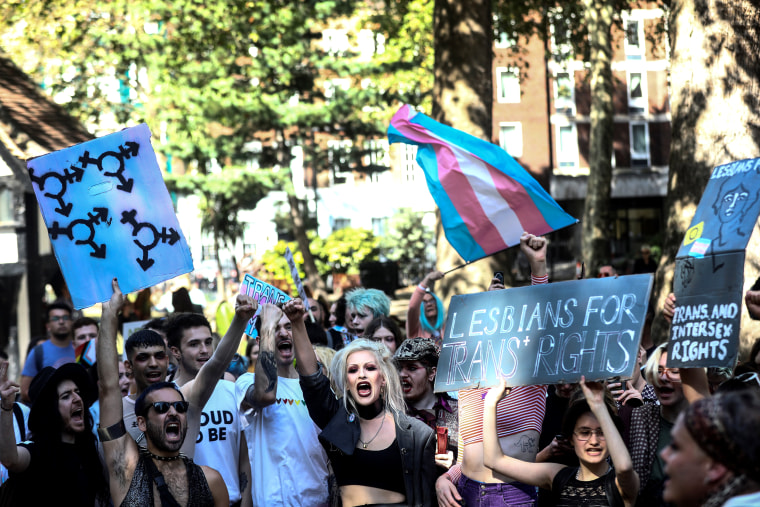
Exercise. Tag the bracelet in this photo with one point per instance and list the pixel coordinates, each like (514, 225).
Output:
(6, 409)
(422, 288)
(113, 432)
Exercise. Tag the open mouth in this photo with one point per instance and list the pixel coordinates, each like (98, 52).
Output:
(406, 386)
(153, 376)
(285, 346)
(77, 416)
(364, 389)
(173, 430)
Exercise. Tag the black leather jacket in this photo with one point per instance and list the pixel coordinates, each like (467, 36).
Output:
(341, 430)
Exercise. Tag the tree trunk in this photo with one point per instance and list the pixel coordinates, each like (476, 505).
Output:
(715, 82)
(317, 285)
(462, 98)
(596, 214)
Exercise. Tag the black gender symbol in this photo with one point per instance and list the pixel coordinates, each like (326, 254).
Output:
(171, 237)
(99, 216)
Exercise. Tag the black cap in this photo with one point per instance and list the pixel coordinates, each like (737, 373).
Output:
(47, 380)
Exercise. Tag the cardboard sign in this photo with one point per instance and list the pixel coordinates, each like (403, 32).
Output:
(544, 334)
(709, 275)
(109, 215)
(297, 280)
(263, 293)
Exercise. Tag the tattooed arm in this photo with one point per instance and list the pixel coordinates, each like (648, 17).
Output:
(244, 473)
(263, 392)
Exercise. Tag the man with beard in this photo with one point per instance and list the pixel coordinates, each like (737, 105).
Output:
(288, 464)
(137, 476)
(55, 351)
(220, 441)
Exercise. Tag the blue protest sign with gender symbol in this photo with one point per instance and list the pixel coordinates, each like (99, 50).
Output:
(109, 215)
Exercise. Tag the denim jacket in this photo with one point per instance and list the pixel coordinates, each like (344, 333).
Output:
(341, 430)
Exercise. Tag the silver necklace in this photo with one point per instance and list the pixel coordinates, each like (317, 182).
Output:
(365, 444)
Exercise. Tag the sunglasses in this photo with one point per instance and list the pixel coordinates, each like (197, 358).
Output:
(162, 407)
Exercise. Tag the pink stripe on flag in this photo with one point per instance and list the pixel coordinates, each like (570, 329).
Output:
(466, 202)
(520, 201)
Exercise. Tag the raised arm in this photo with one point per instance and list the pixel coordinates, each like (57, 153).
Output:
(120, 450)
(413, 312)
(535, 474)
(625, 476)
(306, 359)
(199, 390)
(263, 392)
(534, 248)
(15, 458)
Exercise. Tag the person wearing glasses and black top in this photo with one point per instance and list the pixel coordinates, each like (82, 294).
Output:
(592, 427)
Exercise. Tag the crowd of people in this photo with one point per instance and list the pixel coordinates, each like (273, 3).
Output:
(335, 405)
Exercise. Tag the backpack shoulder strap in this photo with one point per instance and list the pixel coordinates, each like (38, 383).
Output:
(38, 356)
(20, 421)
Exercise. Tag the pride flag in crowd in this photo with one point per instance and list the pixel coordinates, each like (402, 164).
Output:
(486, 198)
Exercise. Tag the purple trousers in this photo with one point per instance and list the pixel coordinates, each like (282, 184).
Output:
(481, 494)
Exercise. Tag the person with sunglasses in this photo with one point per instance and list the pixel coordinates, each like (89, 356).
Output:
(593, 429)
(161, 414)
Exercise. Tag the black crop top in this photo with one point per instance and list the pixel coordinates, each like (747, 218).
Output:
(376, 469)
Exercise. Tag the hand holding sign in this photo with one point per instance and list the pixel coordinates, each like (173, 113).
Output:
(8, 388)
(496, 393)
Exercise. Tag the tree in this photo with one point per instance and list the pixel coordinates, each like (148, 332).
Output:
(223, 195)
(715, 84)
(409, 243)
(595, 244)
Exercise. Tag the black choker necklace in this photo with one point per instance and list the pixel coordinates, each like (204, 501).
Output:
(165, 458)
(371, 411)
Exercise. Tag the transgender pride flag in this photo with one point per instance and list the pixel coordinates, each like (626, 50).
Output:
(486, 198)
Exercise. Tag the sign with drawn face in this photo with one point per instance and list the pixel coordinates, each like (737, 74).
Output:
(544, 334)
(109, 215)
(709, 273)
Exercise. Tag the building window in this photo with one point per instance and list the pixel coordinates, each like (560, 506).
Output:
(335, 41)
(564, 93)
(409, 164)
(510, 138)
(637, 98)
(639, 133)
(379, 226)
(338, 156)
(6, 206)
(508, 85)
(341, 223)
(567, 146)
(634, 39)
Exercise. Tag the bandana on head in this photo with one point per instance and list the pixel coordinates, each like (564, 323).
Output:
(707, 428)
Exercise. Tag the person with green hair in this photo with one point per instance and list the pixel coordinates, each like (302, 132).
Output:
(426, 316)
(363, 306)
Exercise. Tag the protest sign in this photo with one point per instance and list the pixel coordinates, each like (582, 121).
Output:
(709, 273)
(297, 280)
(544, 334)
(109, 215)
(263, 293)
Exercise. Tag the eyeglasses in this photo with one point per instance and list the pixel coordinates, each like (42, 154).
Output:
(162, 407)
(670, 373)
(748, 377)
(585, 434)
(57, 318)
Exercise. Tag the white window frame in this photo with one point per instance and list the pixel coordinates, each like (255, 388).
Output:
(568, 158)
(334, 146)
(507, 96)
(639, 103)
(640, 155)
(514, 151)
(562, 105)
